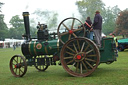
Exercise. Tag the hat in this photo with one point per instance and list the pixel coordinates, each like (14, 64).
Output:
(97, 11)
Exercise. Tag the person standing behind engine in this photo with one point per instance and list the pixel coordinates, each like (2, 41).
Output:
(88, 24)
(116, 43)
(115, 39)
(97, 28)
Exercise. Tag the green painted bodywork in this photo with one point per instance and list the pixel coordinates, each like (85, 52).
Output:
(46, 48)
(51, 47)
(107, 51)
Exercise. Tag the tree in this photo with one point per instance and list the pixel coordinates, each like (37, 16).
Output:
(122, 23)
(17, 29)
(3, 26)
(88, 7)
(47, 17)
(13, 33)
(109, 16)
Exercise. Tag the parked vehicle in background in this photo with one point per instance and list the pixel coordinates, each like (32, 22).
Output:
(122, 44)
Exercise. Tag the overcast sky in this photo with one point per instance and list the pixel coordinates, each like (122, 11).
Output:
(65, 8)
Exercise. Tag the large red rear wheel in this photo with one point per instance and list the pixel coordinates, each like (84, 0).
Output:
(80, 57)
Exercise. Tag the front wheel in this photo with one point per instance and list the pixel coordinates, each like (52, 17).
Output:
(18, 66)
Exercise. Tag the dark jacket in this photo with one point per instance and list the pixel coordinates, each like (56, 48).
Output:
(89, 22)
(97, 24)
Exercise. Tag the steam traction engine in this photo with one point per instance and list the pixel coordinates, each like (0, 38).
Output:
(78, 55)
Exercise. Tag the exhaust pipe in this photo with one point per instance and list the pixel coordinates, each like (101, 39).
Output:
(26, 25)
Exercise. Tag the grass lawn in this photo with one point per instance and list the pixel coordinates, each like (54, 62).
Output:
(113, 74)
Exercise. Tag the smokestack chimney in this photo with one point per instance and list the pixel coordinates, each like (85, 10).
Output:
(26, 25)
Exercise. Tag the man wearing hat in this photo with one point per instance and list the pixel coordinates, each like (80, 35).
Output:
(97, 27)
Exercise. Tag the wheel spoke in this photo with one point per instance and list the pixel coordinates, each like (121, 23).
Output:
(86, 48)
(89, 51)
(81, 69)
(64, 33)
(14, 68)
(15, 60)
(65, 26)
(68, 57)
(82, 46)
(13, 64)
(71, 49)
(77, 30)
(69, 37)
(70, 62)
(74, 35)
(70, 53)
(73, 23)
(21, 70)
(40, 66)
(72, 65)
(78, 45)
(16, 71)
(85, 66)
(75, 47)
(23, 67)
(20, 61)
(62, 42)
(89, 64)
(90, 60)
(91, 55)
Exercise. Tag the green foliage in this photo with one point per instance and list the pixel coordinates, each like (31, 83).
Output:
(17, 29)
(13, 33)
(16, 22)
(3, 34)
(113, 74)
(122, 23)
(33, 31)
(3, 26)
(89, 7)
(109, 15)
